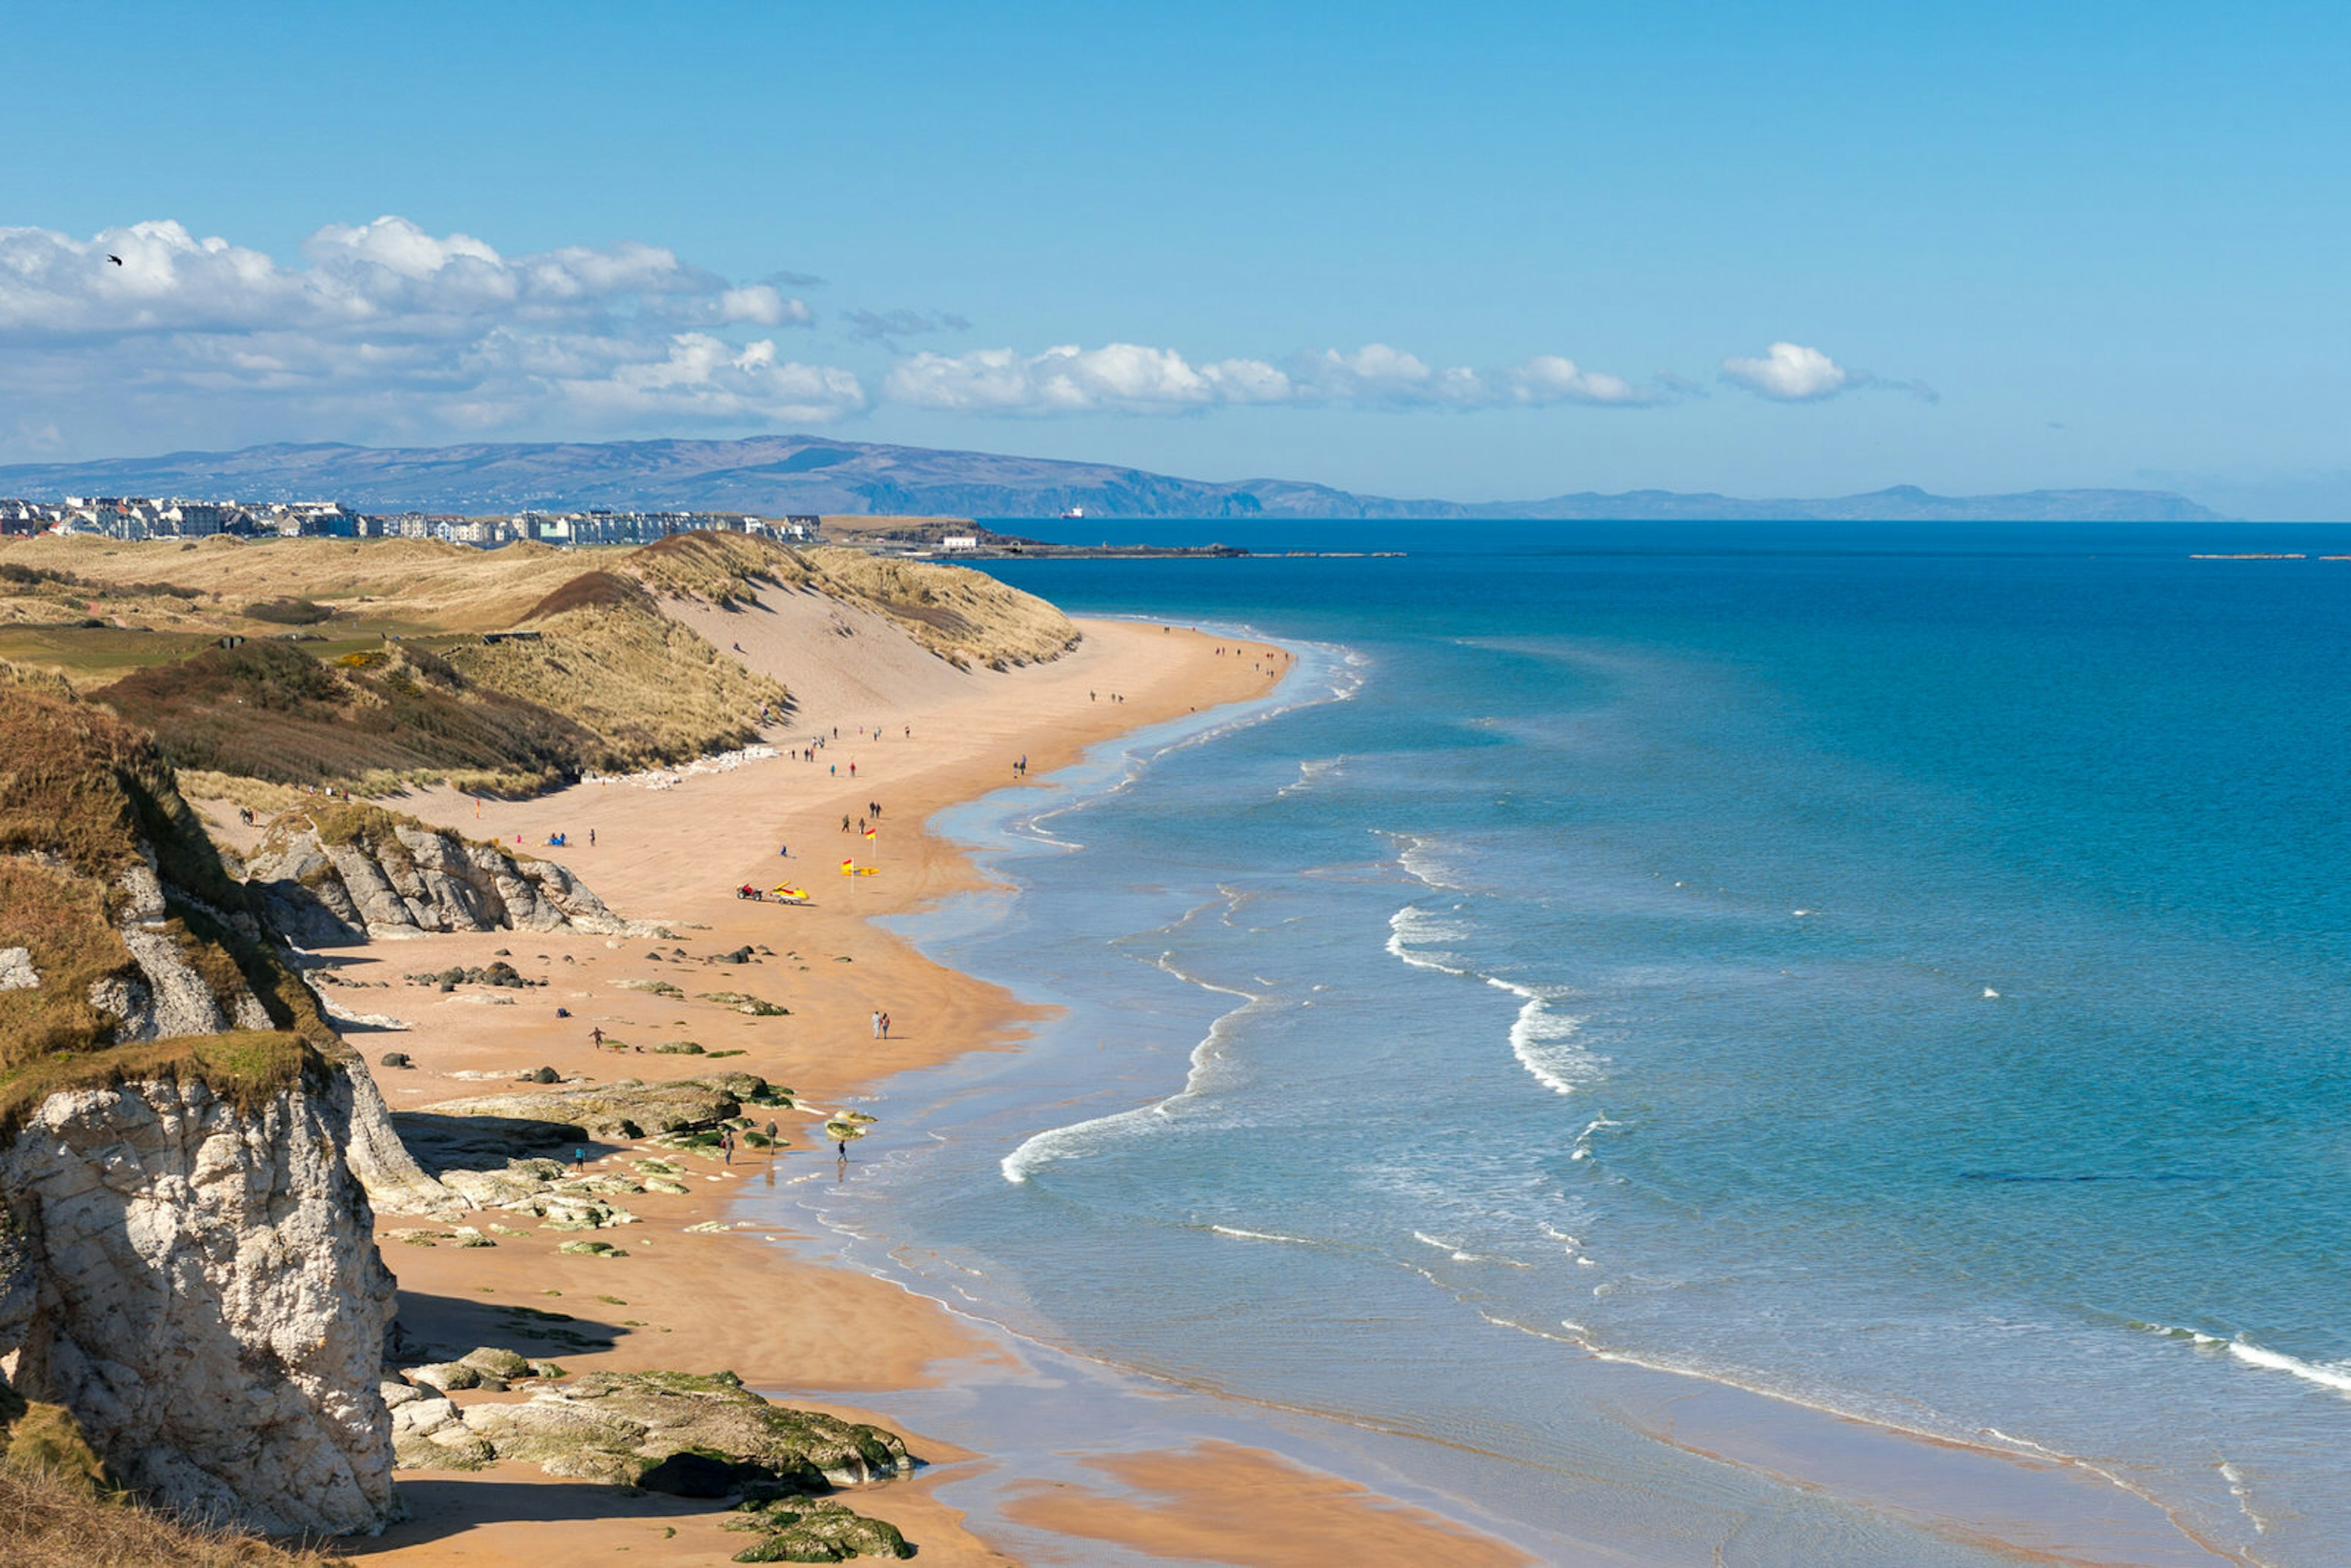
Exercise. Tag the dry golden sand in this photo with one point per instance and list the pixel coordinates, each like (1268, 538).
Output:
(816, 1335)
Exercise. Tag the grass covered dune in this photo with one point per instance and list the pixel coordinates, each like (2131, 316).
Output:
(368, 665)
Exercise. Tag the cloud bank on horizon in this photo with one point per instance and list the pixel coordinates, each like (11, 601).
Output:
(387, 329)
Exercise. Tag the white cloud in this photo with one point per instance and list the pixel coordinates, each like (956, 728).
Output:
(1131, 378)
(387, 328)
(1789, 372)
(1118, 377)
(385, 331)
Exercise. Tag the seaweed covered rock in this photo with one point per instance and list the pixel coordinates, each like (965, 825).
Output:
(429, 1434)
(631, 1428)
(816, 1529)
(627, 1107)
(337, 874)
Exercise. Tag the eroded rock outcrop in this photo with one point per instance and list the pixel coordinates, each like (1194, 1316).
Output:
(205, 1297)
(188, 1273)
(339, 874)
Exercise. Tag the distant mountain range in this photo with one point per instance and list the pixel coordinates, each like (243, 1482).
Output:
(774, 474)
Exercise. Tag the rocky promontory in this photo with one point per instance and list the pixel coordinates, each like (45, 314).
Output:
(189, 1276)
(340, 872)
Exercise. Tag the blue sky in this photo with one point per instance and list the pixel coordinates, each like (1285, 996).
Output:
(1475, 252)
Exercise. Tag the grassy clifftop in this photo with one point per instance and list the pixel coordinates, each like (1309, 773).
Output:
(270, 710)
(88, 812)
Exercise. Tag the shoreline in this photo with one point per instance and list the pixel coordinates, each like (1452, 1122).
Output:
(2010, 1499)
(814, 1335)
(860, 1341)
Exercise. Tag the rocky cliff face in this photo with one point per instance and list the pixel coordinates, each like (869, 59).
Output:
(197, 1282)
(337, 875)
(187, 1265)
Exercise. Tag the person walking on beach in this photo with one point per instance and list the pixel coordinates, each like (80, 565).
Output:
(877, 1023)
(844, 821)
(885, 1026)
(592, 838)
(726, 1145)
(597, 1035)
(579, 1159)
(843, 1147)
(771, 1140)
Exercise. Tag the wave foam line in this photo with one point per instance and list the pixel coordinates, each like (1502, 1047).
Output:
(1538, 1035)
(1420, 863)
(1537, 1028)
(1311, 772)
(1079, 1139)
(1412, 927)
(2336, 1376)
(1238, 1233)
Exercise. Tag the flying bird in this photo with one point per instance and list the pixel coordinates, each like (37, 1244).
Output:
(116, 259)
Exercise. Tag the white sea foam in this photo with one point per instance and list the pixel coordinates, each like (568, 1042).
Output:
(1422, 861)
(1079, 1139)
(1583, 1148)
(2335, 1375)
(2200, 1340)
(1412, 933)
(2243, 1492)
(1542, 1039)
(1311, 772)
(1236, 1232)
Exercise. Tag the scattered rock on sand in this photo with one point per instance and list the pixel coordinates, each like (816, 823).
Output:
(750, 1006)
(816, 1529)
(626, 1106)
(696, 1435)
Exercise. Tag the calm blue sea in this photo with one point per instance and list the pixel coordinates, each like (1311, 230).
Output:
(1901, 970)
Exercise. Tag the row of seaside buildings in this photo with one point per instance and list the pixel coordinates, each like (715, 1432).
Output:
(142, 517)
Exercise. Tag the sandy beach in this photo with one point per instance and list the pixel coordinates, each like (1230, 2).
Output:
(914, 736)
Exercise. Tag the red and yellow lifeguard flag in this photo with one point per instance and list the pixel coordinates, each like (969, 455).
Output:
(871, 832)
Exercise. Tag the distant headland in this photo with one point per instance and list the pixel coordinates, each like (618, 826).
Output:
(775, 475)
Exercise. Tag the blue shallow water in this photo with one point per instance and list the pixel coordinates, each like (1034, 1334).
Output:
(1900, 969)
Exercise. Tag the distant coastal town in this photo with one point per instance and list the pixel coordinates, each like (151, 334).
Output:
(142, 517)
(145, 517)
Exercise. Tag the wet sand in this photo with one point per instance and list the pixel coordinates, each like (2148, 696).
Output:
(812, 1335)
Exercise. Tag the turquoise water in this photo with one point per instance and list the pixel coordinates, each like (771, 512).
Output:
(1898, 969)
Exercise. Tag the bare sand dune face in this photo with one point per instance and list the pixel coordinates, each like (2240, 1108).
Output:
(842, 662)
